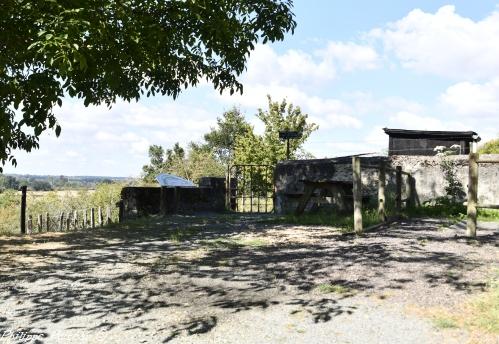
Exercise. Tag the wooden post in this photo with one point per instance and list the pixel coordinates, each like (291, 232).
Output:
(472, 195)
(75, 220)
(61, 222)
(39, 223)
(381, 192)
(101, 220)
(398, 196)
(68, 222)
(23, 209)
(30, 224)
(85, 218)
(47, 222)
(357, 195)
(92, 218)
(108, 215)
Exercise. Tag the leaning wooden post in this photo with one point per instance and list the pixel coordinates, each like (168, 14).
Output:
(398, 196)
(84, 218)
(472, 195)
(61, 222)
(75, 220)
(30, 224)
(381, 192)
(23, 209)
(357, 195)
(101, 220)
(108, 215)
(47, 222)
(39, 223)
(92, 218)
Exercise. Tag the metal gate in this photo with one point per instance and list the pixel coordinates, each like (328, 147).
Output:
(250, 188)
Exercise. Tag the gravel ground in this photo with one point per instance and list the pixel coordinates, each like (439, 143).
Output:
(234, 279)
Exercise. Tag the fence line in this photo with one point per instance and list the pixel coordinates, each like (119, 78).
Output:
(69, 221)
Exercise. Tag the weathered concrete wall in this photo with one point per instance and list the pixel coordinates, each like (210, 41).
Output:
(140, 201)
(426, 170)
(288, 177)
(430, 182)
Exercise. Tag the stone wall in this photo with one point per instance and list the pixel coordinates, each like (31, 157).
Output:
(426, 171)
(142, 201)
(430, 182)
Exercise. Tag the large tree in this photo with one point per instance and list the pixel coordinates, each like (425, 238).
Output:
(268, 148)
(490, 147)
(222, 138)
(199, 161)
(101, 50)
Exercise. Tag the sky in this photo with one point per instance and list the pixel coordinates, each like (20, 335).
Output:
(354, 67)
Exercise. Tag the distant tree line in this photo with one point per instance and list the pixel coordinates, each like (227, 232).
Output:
(49, 183)
(233, 141)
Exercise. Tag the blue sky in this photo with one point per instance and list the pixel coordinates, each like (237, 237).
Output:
(354, 67)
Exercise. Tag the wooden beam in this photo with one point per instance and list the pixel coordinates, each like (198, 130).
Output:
(488, 161)
(23, 209)
(381, 192)
(472, 195)
(357, 195)
(398, 195)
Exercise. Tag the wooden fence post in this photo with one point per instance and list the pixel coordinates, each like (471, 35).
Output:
(398, 196)
(357, 195)
(472, 195)
(92, 217)
(39, 223)
(47, 222)
(108, 215)
(85, 218)
(101, 220)
(23, 209)
(61, 222)
(75, 220)
(381, 192)
(30, 224)
(68, 222)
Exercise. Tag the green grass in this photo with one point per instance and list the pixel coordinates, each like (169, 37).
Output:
(454, 212)
(480, 313)
(328, 288)
(443, 322)
(484, 309)
(490, 215)
(332, 219)
(231, 243)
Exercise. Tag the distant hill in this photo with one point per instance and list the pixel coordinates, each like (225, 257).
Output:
(49, 182)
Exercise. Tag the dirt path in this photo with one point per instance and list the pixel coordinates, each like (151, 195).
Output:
(230, 279)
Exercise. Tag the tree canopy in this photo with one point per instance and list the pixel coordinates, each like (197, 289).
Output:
(268, 148)
(222, 139)
(490, 147)
(101, 50)
(198, 162)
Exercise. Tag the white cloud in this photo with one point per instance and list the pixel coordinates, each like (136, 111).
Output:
(349, 56)
(469, 99)
(445, 43)
(300, 68)
(408, 120)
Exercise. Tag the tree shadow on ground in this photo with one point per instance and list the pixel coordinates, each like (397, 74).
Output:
(104, 279)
